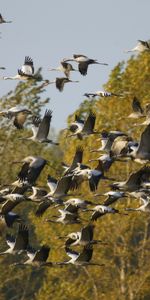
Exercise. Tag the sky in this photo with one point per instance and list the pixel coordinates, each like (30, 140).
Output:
(49, 30)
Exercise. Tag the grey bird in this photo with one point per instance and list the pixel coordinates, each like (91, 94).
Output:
(87, 128)
(18, 244)
(76, 159)
(134, 181)
(61, 81)
(41, 129)
(107, 139)
(37, 258)
(83, 237)
(69, 215)
(101, 210)
(141, 153)
(76, 125)
(83, 62)
(31, 169)
(17, 114)
(80, 259)
(64, 67)
(11, 203)
(58, 190)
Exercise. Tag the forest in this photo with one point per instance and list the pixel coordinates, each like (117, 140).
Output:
(124, 253)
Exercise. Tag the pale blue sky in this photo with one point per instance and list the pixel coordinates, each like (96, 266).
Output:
(51, 30)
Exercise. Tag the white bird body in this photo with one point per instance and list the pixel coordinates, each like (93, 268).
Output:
(103, 209)
(114, 194)
(77, 202)
(13, 197)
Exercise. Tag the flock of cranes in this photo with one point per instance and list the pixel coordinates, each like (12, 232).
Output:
(115, 146)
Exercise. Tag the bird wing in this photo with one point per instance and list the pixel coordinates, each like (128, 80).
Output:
(10, 218)
(22, 175)
(96, 215)
(42, 254)
(35, 169)
(89, 123)
(136, 105)
(79, 55)
(134, 178)
(19, 120)
(44, 126)
(93, 182)
(87, 233)
(60, 82)
(42, 207)
(8, 206)
(144, 43)
(36, 121)
(28, 67)
(109, 200)
(22, 238)
(67, 68)
(63, 185)
(72, 209)
(83, 67)
(77, 158)
(2, 19)
(86, 254)
(144, 145)
(21, 73)
(52, 183)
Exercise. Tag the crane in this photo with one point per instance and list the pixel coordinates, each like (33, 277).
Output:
(83, 62)
(64, 67)
(18, 244)
(41, 129)
(26, 71)
(17, 114)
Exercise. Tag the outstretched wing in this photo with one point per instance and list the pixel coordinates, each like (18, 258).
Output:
(77, 158)
(63, 186)
(44, 126)
(43, 206)
(83, 67)
(22, 238)
(87, 233)
(89, 123)
(42, 254)
(28, 67)
(144, 146)
(86, 254)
